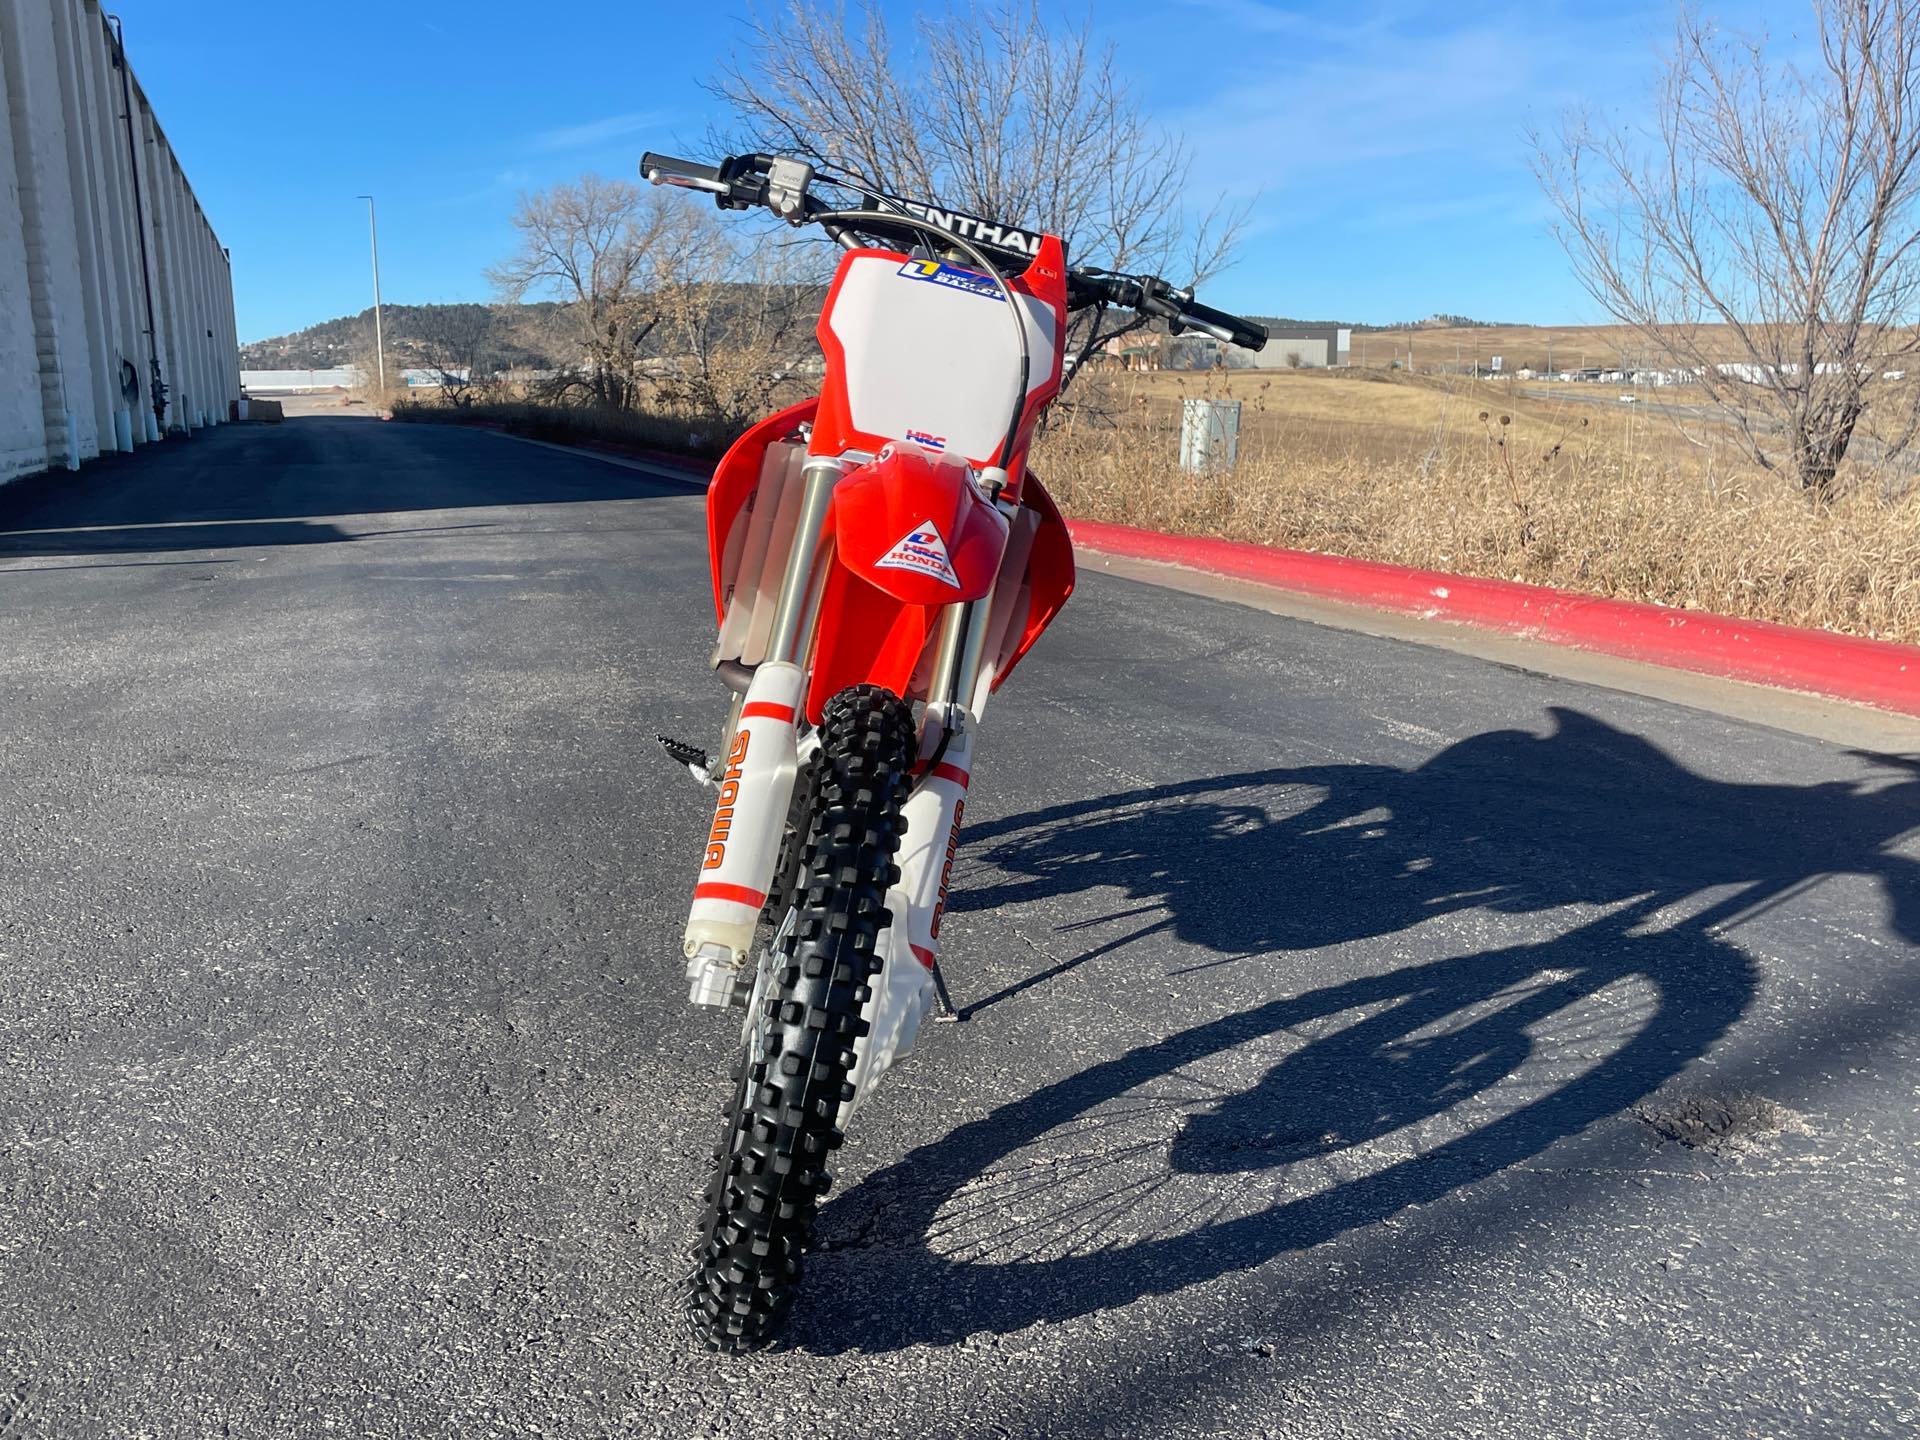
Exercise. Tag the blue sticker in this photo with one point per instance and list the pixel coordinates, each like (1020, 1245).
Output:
(938, 272)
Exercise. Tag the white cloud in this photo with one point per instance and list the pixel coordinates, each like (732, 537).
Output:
(1413, 116)
(591, 133)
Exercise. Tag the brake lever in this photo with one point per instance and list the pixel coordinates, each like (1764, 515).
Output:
(689, 182)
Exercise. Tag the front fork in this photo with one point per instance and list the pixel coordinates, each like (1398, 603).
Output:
(756, 782)
(760, 764)
(909, 984)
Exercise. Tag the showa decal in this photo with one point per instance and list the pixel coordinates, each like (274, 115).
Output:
(922, 551)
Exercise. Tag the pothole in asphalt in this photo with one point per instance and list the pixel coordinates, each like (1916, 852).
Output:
(1729, 1125)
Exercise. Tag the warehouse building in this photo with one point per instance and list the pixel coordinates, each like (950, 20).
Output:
(116, 298)
(1309, 347)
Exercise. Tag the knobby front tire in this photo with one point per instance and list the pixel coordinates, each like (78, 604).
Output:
(770, 1165)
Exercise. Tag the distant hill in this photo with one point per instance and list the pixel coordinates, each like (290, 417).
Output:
(1432, 322)
(1282, 323)
(1441, 322)
(408, 331)
(411, 333)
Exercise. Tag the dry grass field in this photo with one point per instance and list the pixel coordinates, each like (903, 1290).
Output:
(1532, 347)
(1483, 478)
(1570, 347)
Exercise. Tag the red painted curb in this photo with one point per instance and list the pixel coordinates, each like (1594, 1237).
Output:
(1871, 672)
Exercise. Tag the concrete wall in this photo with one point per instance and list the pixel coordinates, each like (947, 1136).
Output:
(341, 377)
(93, 222)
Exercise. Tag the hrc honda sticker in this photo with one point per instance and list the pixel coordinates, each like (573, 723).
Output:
(923, 552)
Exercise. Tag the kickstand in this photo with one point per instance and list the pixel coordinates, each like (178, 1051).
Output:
(945, 1013)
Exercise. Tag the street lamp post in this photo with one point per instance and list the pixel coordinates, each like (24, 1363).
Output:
(379, 343)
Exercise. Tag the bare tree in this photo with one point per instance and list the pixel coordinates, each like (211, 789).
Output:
(365, 360)
(990, 110)
(1763, 233)
(456, 344)
(598, 245)
(736, 321)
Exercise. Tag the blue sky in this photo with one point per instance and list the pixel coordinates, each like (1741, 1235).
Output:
(1382, 145)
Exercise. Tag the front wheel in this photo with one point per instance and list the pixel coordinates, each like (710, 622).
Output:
(770, 1164)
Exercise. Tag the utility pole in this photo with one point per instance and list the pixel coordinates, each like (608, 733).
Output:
(379, 341)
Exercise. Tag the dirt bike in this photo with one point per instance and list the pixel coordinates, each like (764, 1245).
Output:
(881, 562)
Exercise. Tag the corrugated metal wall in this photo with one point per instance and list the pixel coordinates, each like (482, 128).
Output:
(114, 289)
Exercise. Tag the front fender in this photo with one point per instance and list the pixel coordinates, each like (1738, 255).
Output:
(911, 533)
(913, 525)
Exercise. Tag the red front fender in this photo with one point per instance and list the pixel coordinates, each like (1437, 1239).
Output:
(913, 524)
(911, 533)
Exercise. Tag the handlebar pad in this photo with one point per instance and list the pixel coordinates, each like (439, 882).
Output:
(691, 169)
(1245, 333)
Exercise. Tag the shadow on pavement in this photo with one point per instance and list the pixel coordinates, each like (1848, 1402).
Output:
(1339, 1106)
(278, 476)
(233, 534)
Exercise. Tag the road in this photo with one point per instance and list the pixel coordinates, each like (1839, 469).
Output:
(1364, 1038)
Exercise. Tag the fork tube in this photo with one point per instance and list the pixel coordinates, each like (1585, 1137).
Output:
(799, 602)
(946, 651)
(960, 651)
(972, 651)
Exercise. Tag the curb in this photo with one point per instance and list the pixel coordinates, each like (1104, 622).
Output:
(1844, 667)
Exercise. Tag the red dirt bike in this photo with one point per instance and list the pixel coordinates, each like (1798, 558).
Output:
(881, 561)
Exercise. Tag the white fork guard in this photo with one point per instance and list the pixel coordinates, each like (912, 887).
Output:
(743, 844)
(908, 948)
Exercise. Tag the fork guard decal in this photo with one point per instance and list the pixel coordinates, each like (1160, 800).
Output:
(743, 842)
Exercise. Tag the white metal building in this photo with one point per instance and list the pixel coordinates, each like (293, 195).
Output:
(1313, 347)
(115, 293)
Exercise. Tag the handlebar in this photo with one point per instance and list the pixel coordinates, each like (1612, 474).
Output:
(1150, 295)
(741, 182)
(1229, 329)
(667, 170)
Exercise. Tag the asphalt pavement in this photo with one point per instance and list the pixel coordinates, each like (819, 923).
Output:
(1363, 1038)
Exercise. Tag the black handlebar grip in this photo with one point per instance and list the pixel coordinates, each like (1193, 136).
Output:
(1245, 333)
(669, 165)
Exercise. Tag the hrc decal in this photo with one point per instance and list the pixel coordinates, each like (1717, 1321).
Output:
(926, 441)
(954, 277)
(923, 552)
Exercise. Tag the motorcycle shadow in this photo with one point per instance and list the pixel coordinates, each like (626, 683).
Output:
(1291, 1122)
